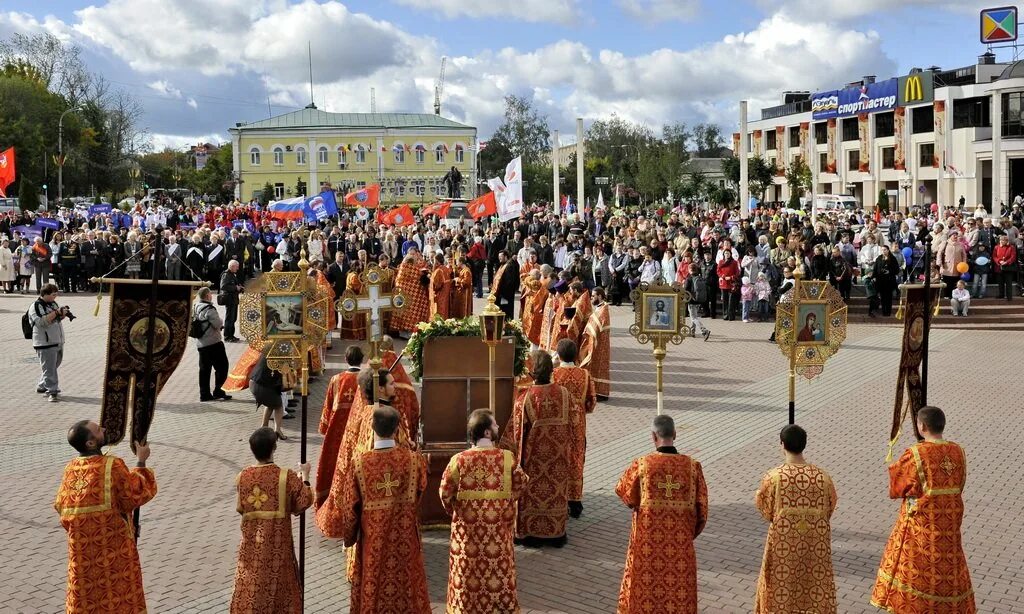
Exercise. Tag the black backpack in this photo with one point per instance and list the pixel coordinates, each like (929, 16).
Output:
(700, 289)
(26, 325)
(199, 327)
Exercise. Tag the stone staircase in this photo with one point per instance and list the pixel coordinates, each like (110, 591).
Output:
(984, 314)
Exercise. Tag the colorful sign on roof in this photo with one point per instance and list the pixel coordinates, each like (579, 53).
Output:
(999, 25)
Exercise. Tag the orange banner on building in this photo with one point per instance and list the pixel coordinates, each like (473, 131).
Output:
(830, 166)
(900, 147)
(863, 132)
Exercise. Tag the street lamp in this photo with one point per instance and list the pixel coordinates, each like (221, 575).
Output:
(906, 183)
(60, 153)
(492, 325)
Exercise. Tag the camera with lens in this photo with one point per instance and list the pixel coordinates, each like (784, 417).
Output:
(67, 314)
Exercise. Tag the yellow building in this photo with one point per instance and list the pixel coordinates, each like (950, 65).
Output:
(408, 154)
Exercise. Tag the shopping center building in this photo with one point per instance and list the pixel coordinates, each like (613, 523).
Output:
(924, 137)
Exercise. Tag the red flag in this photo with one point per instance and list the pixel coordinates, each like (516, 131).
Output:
(6, 170)
(483, 206)
(368, 197)
(399, 216)
(440, 209)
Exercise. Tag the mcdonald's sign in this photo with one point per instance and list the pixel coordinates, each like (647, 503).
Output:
(916, 88)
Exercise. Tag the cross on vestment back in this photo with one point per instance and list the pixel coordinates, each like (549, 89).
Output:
(373, 301)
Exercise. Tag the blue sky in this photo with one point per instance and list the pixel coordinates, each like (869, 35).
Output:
(198, 69)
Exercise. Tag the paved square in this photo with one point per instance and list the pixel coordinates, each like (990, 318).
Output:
(728, 397)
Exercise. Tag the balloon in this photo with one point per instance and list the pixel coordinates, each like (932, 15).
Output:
(271, 250)
(908, 253)
(962, 267)
(966, 277)
(982, 260)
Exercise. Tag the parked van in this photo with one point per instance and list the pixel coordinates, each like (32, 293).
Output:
(836, 202)
(9, 204)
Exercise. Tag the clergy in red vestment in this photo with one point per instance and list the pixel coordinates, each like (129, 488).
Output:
(923, 569)
(559, 323)
(382, 494)
(479, 489)
(552, 315)
(581, 304)
(462, 291)
(405, 400)
(266, 578)
(669, 499)
(238, 378)
(539, 435)
(596, 346)
(533, 308)
(387, 284)
(96, 498)
(584, 399)
(440, 289)
(342, 392)
(413, 280)
(354, 328)
(797, 499)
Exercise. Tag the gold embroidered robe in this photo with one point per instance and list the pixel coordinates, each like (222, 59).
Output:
(266, 578)
(539, 435)
(596, 350)
(342, 392)
(796, 570)
(417, 299)
(578, 322)
(440, 292)
(533, 312)
(462, 293)
(354, 328)
(923, 569)
(405, 401)
(96, 498)
(549, 320)
(584, 399)
(669, 500)
(479, 489)
(382, 494)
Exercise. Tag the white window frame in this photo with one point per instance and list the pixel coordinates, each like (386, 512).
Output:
(322, 155)
(278, 191)
(439, 154)
(399, 150)
(342, 155)
(255, 154)
(460, 153)
(300, 155)
(360, 154)
(278, 156)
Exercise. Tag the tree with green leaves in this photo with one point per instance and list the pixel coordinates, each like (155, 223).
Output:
(798, 178)
(267, 195)
(28, 195)
(883, 201)
(524, 131)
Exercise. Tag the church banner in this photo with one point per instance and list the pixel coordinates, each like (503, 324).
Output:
(758, 141)
(863, 131)
(908, 380)
(900, 148)
(130, 356)
(832, 146)
(939, 161)
(736, 144)
(805, 137)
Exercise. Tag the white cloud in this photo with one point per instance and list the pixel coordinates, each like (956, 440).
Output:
(537, 11)
(192, 103)
(165, 88)
(180, 141)
(661, 10)
(847, 9)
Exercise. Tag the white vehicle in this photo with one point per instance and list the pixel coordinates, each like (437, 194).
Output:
(836, 202)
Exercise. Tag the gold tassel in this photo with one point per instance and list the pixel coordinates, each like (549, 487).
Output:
(899, 311)
(99, 299)
(892, 445)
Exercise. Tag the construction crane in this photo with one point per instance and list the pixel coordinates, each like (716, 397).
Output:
(439, 86)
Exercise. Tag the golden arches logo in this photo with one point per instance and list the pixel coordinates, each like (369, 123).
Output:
(913, 90)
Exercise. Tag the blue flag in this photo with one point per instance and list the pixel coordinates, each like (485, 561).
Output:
(100, 209)
(46, 222)
(321, 206)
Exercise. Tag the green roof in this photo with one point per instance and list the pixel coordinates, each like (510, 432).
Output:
(315, 118)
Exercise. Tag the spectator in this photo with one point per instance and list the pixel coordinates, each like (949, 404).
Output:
(230, 288)
(212, 355)
(1005, 257)
(46, 318)
(961, 299)
(728, 273)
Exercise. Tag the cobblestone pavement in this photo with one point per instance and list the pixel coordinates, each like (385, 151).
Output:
(728, 397)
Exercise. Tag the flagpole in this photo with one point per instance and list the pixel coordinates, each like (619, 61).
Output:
(147, 378)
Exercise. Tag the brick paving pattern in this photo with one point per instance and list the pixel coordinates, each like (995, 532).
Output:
(728, 397)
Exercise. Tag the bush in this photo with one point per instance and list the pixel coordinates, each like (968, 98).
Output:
(883, 201)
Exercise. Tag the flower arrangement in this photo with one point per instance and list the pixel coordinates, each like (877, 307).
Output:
(465, 327)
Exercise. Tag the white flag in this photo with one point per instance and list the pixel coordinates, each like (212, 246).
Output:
(600, 199)
(510, 202)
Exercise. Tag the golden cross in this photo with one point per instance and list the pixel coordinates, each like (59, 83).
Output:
(80, 484)
(668, 485)
(387, 484)
(373, 301)
(258, 497)
(480, 474)
(349, 394)
(947, 465)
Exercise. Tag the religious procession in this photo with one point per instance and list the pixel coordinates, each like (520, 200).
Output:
(370, 362)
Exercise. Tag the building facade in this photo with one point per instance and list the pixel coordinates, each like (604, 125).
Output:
(408, 154)
(922, 138)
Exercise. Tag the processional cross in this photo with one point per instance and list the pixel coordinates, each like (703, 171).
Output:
(374, 302)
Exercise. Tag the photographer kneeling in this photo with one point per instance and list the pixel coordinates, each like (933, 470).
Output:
(46, 318)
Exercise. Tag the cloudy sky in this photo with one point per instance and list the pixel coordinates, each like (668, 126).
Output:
(199, 66)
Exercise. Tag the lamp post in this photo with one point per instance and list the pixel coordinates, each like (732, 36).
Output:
(492, 324)
(60, 154)
(906, 183)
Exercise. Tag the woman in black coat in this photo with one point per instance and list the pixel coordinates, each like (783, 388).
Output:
(886, 269)
(195, 258)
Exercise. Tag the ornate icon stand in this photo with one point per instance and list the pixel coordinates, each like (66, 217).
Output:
(810, 325)
(286, 314)
(660, 318)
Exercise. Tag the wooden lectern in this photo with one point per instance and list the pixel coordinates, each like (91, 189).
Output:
(454, 383)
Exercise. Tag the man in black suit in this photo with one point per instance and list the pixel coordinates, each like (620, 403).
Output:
(337, 273)
(507, 283)
(230, 287)
(92, 254)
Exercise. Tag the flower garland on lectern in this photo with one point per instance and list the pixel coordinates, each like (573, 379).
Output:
(464, 327)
